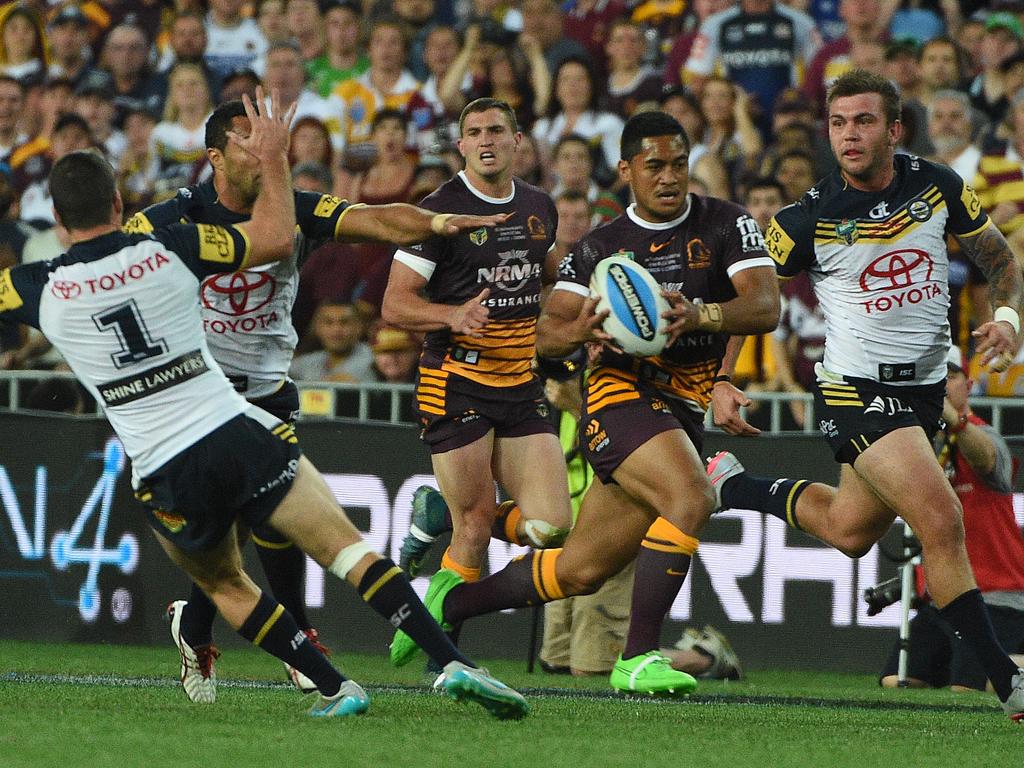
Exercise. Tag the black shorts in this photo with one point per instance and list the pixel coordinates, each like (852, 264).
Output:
(613, 432)
(243, 469)
(455, 411)
(283, 404)
(938, 659)
(854, 413)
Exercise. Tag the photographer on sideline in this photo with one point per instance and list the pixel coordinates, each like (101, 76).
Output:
(978, 463)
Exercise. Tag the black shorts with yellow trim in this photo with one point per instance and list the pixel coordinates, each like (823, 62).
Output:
(455, 411)
(620, 416)
(854, 413)
(282, 404)
(241, 470)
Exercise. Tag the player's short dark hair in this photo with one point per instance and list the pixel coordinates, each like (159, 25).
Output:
(484, 104)
(764, 182)
(858, 81)
(646, 125)
(82, 185)
(219, 123)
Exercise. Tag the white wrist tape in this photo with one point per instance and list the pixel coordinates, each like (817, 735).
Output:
(1007, 315)
(348, 557)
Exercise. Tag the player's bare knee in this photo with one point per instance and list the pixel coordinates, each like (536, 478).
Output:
(854, 545)
(474, 527)
(585, 580)
(941, 532)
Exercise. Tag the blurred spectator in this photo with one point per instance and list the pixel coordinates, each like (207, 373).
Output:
(429, 176)
(233, 41)
(312, 177)
(794, 126)
(869, 55)
(125, 53)
(305, 27)
(575, 217)
(95, 102)
(70, 54)
(244, 81)
(1002, 39)
(284, 72)
(862, 24)
(139, 164)
(680, 53)
(334, 271)
(941, 66)
(338, 327)
(704, 164)
(730, 133)
(272, 20)
(574, 111)
(440, 51)
(950, 129)
(794, 170)
(660, 22)
(57, 395)
(12, 102)
(738, 41)
(13, 233)
(180, 138)
(418, 17)
(588, 23)
(390, 177)
(543, 21)
(630, 81)
(903, 67)
(395, 356)
(969, 40)
(385, 85)
(573, 164)
(798, 342)
(311, 143)
(343, 56)
(187, 42)
(23, 51)
(527, 163)
(32, 168)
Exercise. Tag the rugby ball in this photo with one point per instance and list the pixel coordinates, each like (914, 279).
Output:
(634, 302)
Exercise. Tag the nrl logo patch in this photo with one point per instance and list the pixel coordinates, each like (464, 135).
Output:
(846, 231)
(626, 254)
(919, 210)
(478, 236)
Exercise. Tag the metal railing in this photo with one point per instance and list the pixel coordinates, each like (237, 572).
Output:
(393, 403)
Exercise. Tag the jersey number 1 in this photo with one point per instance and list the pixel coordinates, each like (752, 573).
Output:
(136, 344)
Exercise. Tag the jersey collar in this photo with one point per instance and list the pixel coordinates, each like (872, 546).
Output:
(487, 198)
(659, 225)
(96, 248)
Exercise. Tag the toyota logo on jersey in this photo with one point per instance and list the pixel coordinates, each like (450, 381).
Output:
(238, 293)
(65, 289)
(897, 279)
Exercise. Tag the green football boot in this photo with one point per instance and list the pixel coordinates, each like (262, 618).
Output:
(403, 647)
(650, 673)
(429, 520)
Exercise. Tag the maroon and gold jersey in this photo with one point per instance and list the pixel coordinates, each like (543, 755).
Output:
(696, 254)
(507, 259)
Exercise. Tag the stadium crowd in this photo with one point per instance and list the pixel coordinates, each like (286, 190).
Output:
(379, 87)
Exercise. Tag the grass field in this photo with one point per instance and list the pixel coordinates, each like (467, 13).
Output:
(80, 705)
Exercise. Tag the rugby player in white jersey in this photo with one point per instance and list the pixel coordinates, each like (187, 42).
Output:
(121, 308)
(872, 237)
(247, 316)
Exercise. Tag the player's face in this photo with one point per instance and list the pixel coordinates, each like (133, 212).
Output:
(241, 169)
(862, 140)
(659, 177)
(763, 203)
(488, 143)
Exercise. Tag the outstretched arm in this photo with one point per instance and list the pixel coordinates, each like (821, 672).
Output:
(997, 339)
(405, 306)
(404, 224)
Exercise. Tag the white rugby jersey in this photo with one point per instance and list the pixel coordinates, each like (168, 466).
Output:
(879, 267)
(123, 310)
(247, 315)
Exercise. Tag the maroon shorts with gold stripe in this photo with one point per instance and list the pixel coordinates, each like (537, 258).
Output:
(455, 411)
(621, 413)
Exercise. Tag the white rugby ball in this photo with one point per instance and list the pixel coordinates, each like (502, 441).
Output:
(634, 302)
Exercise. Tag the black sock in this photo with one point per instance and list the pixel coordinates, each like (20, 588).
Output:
(775, 497)
(526, 580)
(386, 589)
(197, 618)
(971, 623)
(285, 567)
(273, 629)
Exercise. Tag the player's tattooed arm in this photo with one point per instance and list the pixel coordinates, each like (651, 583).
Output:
(990, 251)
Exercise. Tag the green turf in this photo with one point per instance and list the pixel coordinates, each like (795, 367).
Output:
(773, 720)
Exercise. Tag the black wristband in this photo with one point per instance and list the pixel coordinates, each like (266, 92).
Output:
(720, 378)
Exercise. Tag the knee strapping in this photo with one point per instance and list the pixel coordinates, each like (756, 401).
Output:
(349, 557)
(543, 535)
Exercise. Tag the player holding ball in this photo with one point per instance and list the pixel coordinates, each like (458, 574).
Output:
(642, 422)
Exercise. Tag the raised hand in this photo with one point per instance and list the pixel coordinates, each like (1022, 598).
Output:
(726, 401)
(269, 129)
(997, 344)
(454, 223)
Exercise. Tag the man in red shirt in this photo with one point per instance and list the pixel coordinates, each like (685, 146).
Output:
(980, 467)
